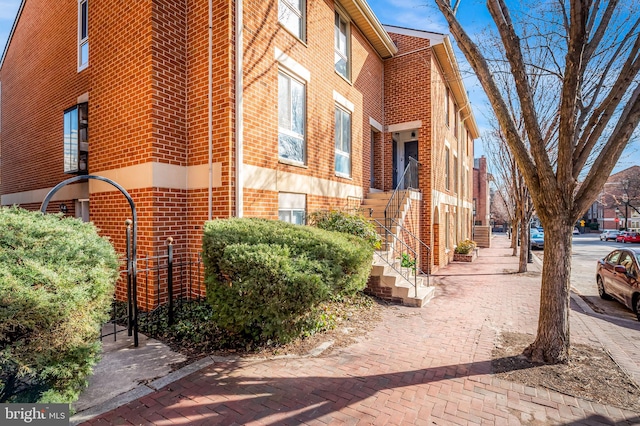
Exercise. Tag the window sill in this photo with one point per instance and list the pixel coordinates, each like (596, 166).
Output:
(292, 163)
(347, 177)
(343, 77)
(301, 40)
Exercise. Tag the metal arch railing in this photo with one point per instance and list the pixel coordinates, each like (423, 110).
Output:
(132, 245)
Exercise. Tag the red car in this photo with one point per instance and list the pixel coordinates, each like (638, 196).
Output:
(631, 237)
(620, 237)
(618, 277)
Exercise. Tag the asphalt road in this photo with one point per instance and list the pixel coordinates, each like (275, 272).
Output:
(587, 249)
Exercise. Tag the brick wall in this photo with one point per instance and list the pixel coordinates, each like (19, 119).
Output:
(409, 70)
(40, 80)
(263, 34)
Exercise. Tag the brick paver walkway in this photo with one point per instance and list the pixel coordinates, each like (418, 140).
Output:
(418, 366)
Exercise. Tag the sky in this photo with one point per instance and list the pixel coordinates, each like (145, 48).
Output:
(416, 14)
(8, 11)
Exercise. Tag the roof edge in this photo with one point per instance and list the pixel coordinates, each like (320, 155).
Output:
(13, 29)
(446, 58)
(368, 17)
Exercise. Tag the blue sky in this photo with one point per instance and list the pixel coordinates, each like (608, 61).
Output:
(8, 11)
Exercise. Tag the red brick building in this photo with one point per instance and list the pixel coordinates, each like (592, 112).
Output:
(272, 109)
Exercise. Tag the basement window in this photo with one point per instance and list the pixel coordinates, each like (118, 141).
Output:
(292, 208)
(76, 139)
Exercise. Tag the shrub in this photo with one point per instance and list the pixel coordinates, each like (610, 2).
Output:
(265, 278)
(57, 278)
(465, 247)
(354, 224)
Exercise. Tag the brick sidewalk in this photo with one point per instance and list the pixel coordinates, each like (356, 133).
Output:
(419, 366)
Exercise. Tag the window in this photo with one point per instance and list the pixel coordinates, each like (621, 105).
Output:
(291, 119)
(291, 16)
(447, 112)
(447, 184)
(343, 142)
(341, 57)
(83, 34)
(447, 230)
(82, 209)
(292, 208)
(455, 174)
(456, 121)
(76, 141)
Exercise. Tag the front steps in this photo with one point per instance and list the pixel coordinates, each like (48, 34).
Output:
(384, 281)
(388, 284)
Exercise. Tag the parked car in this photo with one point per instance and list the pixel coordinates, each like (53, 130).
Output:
(631, 237)
(576, 231)
(609, 235)
(537, 239)
(620, 237)
(617, 276)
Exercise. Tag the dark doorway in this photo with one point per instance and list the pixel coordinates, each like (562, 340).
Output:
(410, 151)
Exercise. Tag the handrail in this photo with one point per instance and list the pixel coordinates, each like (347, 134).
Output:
(408, 180)
(406, 253)
(421, 243)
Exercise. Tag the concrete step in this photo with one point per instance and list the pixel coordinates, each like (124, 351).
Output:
(379, 195)
(401, 288)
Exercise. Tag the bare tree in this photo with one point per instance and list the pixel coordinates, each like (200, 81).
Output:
(593, 58)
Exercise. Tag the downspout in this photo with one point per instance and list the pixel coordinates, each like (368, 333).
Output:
(210, 112)
(239, 112)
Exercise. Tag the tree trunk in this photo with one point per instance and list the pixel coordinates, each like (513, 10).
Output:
(524, 247)
(552, 341)
(515, 235)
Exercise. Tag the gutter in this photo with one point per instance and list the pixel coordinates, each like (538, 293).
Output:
(210, 113)
(239, 112)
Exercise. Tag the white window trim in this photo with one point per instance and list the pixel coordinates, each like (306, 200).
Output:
(343, 102)
(82, 41)
(341, 152)
(345, 17)
(302, 14)
(293, 66)
(289, 132)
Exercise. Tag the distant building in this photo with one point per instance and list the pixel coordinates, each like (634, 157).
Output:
(481, 203)
(618, 204)
(481, 192)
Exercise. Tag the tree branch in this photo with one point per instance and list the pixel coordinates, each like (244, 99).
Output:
(480, 66)
(609, 155)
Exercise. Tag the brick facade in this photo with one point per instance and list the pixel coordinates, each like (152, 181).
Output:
(147, 86)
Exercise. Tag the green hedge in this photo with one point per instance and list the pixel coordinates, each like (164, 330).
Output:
(265, 278)
(354, 224)
(56, 285)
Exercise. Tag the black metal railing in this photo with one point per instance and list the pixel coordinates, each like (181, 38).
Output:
(163, 281)
(408, 180)
(403, 254)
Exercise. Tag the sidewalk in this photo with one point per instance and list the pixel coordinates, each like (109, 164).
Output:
(419, 366)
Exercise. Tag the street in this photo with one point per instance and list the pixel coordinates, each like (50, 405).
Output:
(587, 249)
